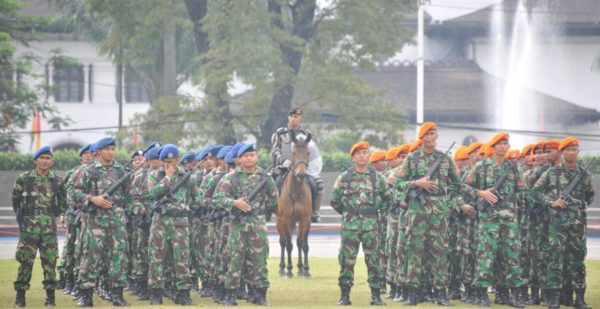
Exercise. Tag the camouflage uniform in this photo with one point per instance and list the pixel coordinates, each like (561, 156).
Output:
(200, 224)
(499, 246)
(359, 206)
(467, 241)
(248, 233)
(566, 246)
(391, 243)
(169, 233)
(37, 200)
(104, 234)
(141, 225)
(68, 253)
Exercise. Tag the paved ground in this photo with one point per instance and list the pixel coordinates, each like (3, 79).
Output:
(320, 246)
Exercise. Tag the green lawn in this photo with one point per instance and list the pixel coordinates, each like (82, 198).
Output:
(319, 291)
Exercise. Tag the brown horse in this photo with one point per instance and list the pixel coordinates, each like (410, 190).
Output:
(295, 206)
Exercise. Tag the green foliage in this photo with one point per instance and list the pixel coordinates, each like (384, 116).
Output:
(63, 160)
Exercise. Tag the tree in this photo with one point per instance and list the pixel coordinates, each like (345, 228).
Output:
(22, 93)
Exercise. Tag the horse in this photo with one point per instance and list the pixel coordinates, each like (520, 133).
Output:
(295, 207)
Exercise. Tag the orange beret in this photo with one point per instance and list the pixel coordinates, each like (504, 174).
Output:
(527, 150)
(539, 145)
(461, 153)
(513, 154)
(551, 144)
(392, 153)
(415, 145)
(568, 142)
(359, 146)
(377, 156)
(502, 136)
(426, 127)
(473, 147)
(486, 150)
(404, 148)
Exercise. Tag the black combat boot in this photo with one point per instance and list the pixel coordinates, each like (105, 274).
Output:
(156, 296)
(183, 298)
(400, 294)
(466, 295)
(525, 295)
(579, 302)
(60, 284)
(345, 297)
(383, 289)
(241, 293)
(86, 298)
(116, 296)
(376, 297)
(261, 297)
(393, 291)
(50, 300)
(252, 294)
(229, 298)
(454, 292)
(534, 299)
(412, 298)
(515, 298)
(219, 293)
(566, 296)
(206, 290)
(483, 299)
(143, 292)
(553, 298)
(20, 299)
(69, 284)
(441, 298)
(501, 296)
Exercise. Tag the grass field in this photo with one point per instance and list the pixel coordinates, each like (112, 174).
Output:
(318, 292)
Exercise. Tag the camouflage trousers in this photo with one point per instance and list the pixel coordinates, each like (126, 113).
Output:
(214, 250)
(169, 238)
(248, 245)
(200, 251)
(566, 252)
(467, 247)
(351, 240)
(401, 249)
(383, 253)
(391, 248)
(426, 248)
(498, 253)
(139, 259)
(454, 254)
(37, 233)
(538, 235)
(104, 250)
(221, 250)
(68, 253)
(525, 257)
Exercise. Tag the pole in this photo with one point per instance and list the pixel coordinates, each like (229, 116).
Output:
(420, 66)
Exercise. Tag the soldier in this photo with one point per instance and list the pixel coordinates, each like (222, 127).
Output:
(427, 216)
(359, 195)
(104, 236)
(169, 230)
(566, 246)
(281, 151)
(377, 159)
(38, 198)
(378, 162)
(137, 160)
(248, 230)
(499, 246)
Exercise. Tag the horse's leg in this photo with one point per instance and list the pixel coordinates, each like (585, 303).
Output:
(299, 242)
(282, 241)
(305, 249)
(289, 247)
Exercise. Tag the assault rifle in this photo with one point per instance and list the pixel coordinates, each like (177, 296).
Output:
(418, 192)
(159, 206)
(483, 204)
(238, 214)
(566, 193)
(108, 193)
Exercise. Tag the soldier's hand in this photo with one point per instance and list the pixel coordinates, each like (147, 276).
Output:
(391, 180)
(61, 219)
(426, 184)
(101, 202)
(242, 205)
(488, 196)
(170, 170)
(559, 203)
(468, 209)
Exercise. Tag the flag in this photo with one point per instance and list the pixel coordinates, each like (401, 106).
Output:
(36, 135)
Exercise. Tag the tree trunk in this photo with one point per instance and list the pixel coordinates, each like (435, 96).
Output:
(169, 82)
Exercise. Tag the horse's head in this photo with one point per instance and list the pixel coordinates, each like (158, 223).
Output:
(300, 153)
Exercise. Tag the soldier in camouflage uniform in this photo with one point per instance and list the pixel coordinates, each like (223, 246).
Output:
(499, 247)
(137, 160)
(566, 245)
(169, 230)
(427, 220)
(38, 197)
(248, 230)
(104, 235)
(526, 164)
(359, 195)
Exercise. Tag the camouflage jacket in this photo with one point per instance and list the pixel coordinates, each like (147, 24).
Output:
(140, 194)
(355, 200)
(228, 191)
(208, 188)
(160, 185)
(196, 180)
(40, 196)
(447, 178)
(555, 179)
(511, 194)
(93, 180)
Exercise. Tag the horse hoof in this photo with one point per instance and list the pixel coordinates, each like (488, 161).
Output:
(306, 275)
(282, 274)
(290, 275)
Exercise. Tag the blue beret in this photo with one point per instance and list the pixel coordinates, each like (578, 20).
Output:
(189, 156)
(246, 148)
(138, 152)
(152, 145)
(41, 151)
(94, 148)
(229, 158)
(223, 152)
(202, 153)
(105, 142)
(215, 150)
(152, 154)
(168, 151)
(235, 149)
(84, 148)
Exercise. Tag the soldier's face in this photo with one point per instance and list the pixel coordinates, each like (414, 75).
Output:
(552, 155)
(361, 157)
(430, 138)
(294, 121)
(107, 154)
(211, 163)
(540, 157)
(87, 157)
(155, 163)
(474, 157)
(570, 154)
(44, 162)
(379, 165)
(249, 159)
(501, 148)
(137, 161)
(170, 162)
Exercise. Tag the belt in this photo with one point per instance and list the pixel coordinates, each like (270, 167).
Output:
(37, 212)
(361, 211)
(177, 213)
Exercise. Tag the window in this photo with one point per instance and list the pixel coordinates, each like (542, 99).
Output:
(134, 89)
(67, 83)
